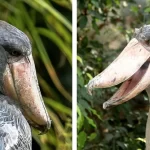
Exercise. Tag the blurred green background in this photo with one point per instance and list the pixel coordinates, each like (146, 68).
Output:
(48, 25)
(104, 29)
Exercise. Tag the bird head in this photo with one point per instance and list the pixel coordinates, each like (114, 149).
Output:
(131, 67)
(18, 78)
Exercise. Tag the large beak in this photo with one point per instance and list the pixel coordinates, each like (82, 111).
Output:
(132, 67)
(20, 83)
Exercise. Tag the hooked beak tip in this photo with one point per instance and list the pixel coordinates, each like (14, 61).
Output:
(44, 129)
(105, 105)
(89, 88)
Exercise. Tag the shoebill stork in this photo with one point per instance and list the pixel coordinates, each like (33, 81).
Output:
(132, 67)
(21, 103)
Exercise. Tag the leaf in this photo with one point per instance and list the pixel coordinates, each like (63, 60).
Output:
(96, 14)
(84, 113)
(57, 106)
(80, 120)
(109, 137)
(109, 3)
(147, 10)
(94, 25)
(96, 114)
(117, 2)
(81, 139)
(54, 12)
(56, 39)
(79, 72)
(81, 4)
(134, 9)
(83, 21)
(84, 42)
(80, 79)
(95, 3)
(92, 136)
(80, 59)
(91, 122)
(141, 139)
(121, 144)
(96, 44)
(114, 11)
(89, 76)
(85, 104)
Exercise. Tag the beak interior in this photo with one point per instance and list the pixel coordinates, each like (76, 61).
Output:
(132, 82)
(131, 87)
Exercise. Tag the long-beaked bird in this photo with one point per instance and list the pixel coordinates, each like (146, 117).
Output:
(132, 67)
(21, 103)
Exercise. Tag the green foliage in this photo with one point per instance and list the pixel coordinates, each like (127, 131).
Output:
(104, 28)
(48, 25)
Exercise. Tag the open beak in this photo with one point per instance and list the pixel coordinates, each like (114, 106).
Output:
(20, 83)
(132, 67)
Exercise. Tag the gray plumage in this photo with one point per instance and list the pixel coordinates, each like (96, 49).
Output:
(15, 132)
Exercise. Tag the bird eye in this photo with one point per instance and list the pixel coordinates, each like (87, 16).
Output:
(15, 53)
